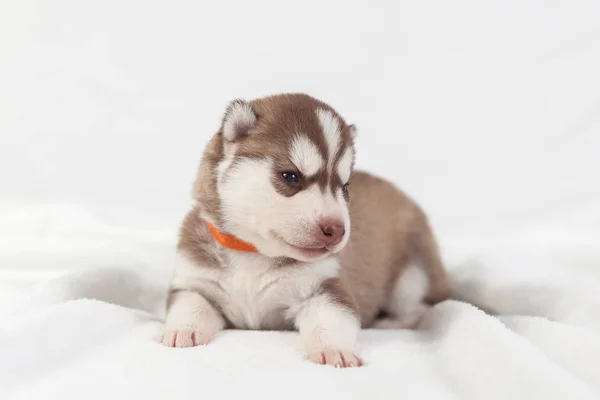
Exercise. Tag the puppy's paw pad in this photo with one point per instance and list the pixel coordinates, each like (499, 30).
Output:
(183, 338)
(336, 358)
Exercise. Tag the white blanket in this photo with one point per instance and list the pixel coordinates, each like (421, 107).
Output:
(90, 334)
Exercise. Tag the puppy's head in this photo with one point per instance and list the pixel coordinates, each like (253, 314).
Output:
(281, 176)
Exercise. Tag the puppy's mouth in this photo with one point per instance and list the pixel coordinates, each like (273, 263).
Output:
(311, 252)
(305, 251)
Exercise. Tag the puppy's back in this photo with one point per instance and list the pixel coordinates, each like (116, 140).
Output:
(389, 231)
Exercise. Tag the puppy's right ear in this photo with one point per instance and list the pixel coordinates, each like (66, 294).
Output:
(238, 120)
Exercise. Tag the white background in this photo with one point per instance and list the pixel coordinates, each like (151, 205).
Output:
(486, 112)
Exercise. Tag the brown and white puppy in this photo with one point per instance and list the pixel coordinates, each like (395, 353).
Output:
(283, 235)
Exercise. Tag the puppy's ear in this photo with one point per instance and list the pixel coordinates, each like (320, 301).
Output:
(353, 131)
(238, 120)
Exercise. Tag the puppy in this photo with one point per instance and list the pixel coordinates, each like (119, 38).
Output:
(284, 235)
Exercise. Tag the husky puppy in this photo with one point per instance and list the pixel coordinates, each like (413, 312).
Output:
(284, 235)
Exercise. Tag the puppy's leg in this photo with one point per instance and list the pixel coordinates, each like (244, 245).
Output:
(422, 283)
(406, 304)
(329, 326)
(191, 320)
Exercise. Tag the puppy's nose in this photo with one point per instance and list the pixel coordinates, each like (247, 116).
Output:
(332, 231)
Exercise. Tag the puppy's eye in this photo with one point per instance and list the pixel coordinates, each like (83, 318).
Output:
(291, 177)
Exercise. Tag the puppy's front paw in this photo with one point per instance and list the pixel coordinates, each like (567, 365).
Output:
(336, 358)
(184, 338)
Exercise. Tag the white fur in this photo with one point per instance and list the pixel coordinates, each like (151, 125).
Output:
(190, 275)
(305, 155)
(249, 290)
(345, 165)
(331, 130)
(228, 159)
(189, 310)
(239, 113)
(324, 325)
(412, 285)
(331, 205)
(257, 291)
(250, 204)
(406, 303)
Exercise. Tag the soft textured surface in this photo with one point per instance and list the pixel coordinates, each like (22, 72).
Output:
(89, 331)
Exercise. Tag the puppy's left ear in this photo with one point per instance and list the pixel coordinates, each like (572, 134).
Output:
(353, 131)
(238, 120)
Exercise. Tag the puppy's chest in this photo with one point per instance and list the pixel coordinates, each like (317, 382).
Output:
(256, 295)
(251, 296)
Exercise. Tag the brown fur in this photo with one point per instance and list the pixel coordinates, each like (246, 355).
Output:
(339, 293)
(205, 185)
(196, 241)
(388, 232)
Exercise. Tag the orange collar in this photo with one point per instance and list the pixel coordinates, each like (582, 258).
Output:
(231, 242)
